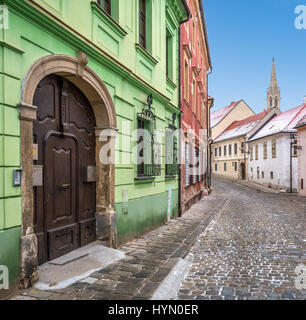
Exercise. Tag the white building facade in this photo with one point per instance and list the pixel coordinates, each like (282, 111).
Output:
(271, 161)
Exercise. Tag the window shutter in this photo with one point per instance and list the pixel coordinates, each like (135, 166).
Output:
(187, 164)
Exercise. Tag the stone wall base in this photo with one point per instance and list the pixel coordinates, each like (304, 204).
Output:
(28, 261)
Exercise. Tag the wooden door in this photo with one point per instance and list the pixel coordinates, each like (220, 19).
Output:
(64, 216)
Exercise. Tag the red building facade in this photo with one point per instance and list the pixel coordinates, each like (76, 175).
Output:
(195, 66)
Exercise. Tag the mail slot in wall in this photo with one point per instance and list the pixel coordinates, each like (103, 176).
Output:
(90, 174)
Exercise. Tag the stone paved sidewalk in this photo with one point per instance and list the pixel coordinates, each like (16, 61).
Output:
(148, 260)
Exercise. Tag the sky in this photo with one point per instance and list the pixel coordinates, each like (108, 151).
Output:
(243, 36)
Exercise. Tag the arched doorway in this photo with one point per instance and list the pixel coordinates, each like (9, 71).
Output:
(67, 81)
(64, 132)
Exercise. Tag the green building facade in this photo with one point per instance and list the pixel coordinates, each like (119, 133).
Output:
(123, 53)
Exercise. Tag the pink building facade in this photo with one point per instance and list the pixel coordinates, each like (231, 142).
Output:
(195, 64)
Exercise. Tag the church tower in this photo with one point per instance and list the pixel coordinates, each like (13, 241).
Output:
(273, 94)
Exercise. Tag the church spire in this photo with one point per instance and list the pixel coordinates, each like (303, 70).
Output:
(273, 95)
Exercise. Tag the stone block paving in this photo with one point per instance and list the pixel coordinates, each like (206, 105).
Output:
(250, 250)
(148, 261)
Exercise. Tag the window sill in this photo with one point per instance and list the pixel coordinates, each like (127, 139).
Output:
(140, 180)
(108, 19)
(186, 102)
(171, 83)
(170, 177)
(140, 49)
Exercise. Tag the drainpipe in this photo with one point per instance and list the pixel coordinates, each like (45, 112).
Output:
(291, 145)
(189, 16)
(209, 169)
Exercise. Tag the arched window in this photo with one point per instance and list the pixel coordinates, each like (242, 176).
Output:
(276, 102)
(271, 102)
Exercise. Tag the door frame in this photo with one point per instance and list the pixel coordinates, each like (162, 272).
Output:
(76, 71)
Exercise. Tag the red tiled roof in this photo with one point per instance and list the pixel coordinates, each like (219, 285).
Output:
(255, 117)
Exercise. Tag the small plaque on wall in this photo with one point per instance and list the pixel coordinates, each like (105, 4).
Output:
(90, 174)
(35, 151)
(38, 176)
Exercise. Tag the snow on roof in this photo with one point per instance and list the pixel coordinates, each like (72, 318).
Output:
(284, 122)
(242, 127)
(302, 122)
(218, 115)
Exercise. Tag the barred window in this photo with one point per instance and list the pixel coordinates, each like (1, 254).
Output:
(251, 152)
(256, 152)
(235, 148)
(149, 150)
(230, 150)
(171, 153)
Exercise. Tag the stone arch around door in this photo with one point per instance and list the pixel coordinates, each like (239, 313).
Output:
(88, 82)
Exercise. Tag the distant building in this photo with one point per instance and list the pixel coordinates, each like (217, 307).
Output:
(301, 128)
(230, 149)
(273, 149)
(223, 118)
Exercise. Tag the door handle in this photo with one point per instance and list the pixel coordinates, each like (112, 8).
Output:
(64, 187)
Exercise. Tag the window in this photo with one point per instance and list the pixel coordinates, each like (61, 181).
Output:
(216, 167)
(225, 151)
(257, 172)
(295, 148)
(274, 149)
(194, 95)
(169, 55)
(230, 150)
(263, 174)
(216, 152)
(186, 80)
(105, 5)
(236, 167)
(149, 151)
(271, 175)
(187, 164)
(251, 153)
(276, 102)
(142, 23)
(252, 173)
(220, 151)
(235, 148)
(242, 147)
(171, 153)
(256, 152)
(193, 35)
(302, 184)
(265, 150)
(196, 171)
(224, 166)
(271, 102)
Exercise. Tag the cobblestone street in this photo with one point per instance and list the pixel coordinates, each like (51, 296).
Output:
(251, 249)
(242, 244)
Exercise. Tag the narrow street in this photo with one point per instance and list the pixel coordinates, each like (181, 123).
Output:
(242, 244)
(251, 249)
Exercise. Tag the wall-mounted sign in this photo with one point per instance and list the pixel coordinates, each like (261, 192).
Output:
(38, 176)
